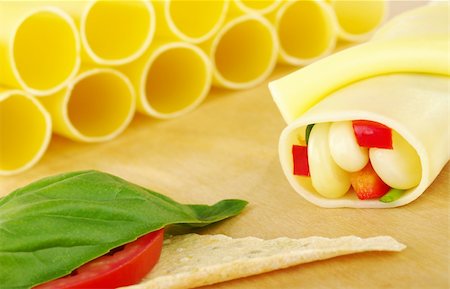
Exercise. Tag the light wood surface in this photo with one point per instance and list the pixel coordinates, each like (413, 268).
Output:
(227, 148)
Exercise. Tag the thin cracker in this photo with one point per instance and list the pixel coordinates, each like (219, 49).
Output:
(192, 260)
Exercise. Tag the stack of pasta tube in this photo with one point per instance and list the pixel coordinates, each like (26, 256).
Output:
(82, 68)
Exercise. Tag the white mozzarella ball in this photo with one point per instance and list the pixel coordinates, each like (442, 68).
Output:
(327, 178)
(398, 167)
(345, 149)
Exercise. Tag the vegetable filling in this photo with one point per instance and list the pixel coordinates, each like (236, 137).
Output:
(367, 156)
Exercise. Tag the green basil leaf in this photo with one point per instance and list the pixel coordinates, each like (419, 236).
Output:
(53, 226)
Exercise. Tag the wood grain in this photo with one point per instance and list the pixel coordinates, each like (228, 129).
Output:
(227, 148)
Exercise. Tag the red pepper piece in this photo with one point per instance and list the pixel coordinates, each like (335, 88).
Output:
(300, 157)
(372, 134)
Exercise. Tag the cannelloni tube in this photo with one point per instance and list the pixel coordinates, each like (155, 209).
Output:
(39, 47)
(244, 52)
(95, 106)
(170, 79)
(192, 21)
(256, 6)
(25, 131)
(358, 20)
(113, 32)
(415, 106)
(376, 139)
(306, 31)
(117, 32)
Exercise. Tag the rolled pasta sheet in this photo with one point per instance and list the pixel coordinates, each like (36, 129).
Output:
(306, 31)
(25, 131)
(415, 106)
(407, 52)
(39, 47)
(243, 53)
(97, 105)
(254, 6)
(429, 21)
(193, 21)
(358, 20)
(171, 79)
(113, 32)
(401, 82)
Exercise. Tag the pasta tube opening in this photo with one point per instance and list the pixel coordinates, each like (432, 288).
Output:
(306, 31)
(177, 78)
(45, 51)
(244, 52)
(96, 106)
(117, 32)
(358, 19)
(100, 104)
(25, 131)
(195, 21)
(258, 6)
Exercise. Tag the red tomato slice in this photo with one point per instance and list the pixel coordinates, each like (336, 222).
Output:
(372, 134)
(118, 268)
(300, 157)
(367, 184)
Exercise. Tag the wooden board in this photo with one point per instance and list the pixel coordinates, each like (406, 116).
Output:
(227, 148)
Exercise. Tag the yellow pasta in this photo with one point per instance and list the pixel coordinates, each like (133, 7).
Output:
(428, 21)
(113, 32)
(426, 53)
(193, 21)
(25, 131)
(370, 59)
(42, 44)
(359, 19)
(170, 79)
(243, 52)
(306, 31)
(95, 106)
(256, 6)
(39, 47)
(414, 106)
(399, 79)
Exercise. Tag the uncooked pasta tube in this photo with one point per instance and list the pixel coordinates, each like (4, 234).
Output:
(39, 47)
(359, 19)
(95, 106)
(113, 32)
(243, 52)
(306, 31)
(375, 139)
(25, 131)
(256, 6)
(192, 21)
(170, 79)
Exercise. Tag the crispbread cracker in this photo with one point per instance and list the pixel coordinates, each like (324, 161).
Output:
(192, 260)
